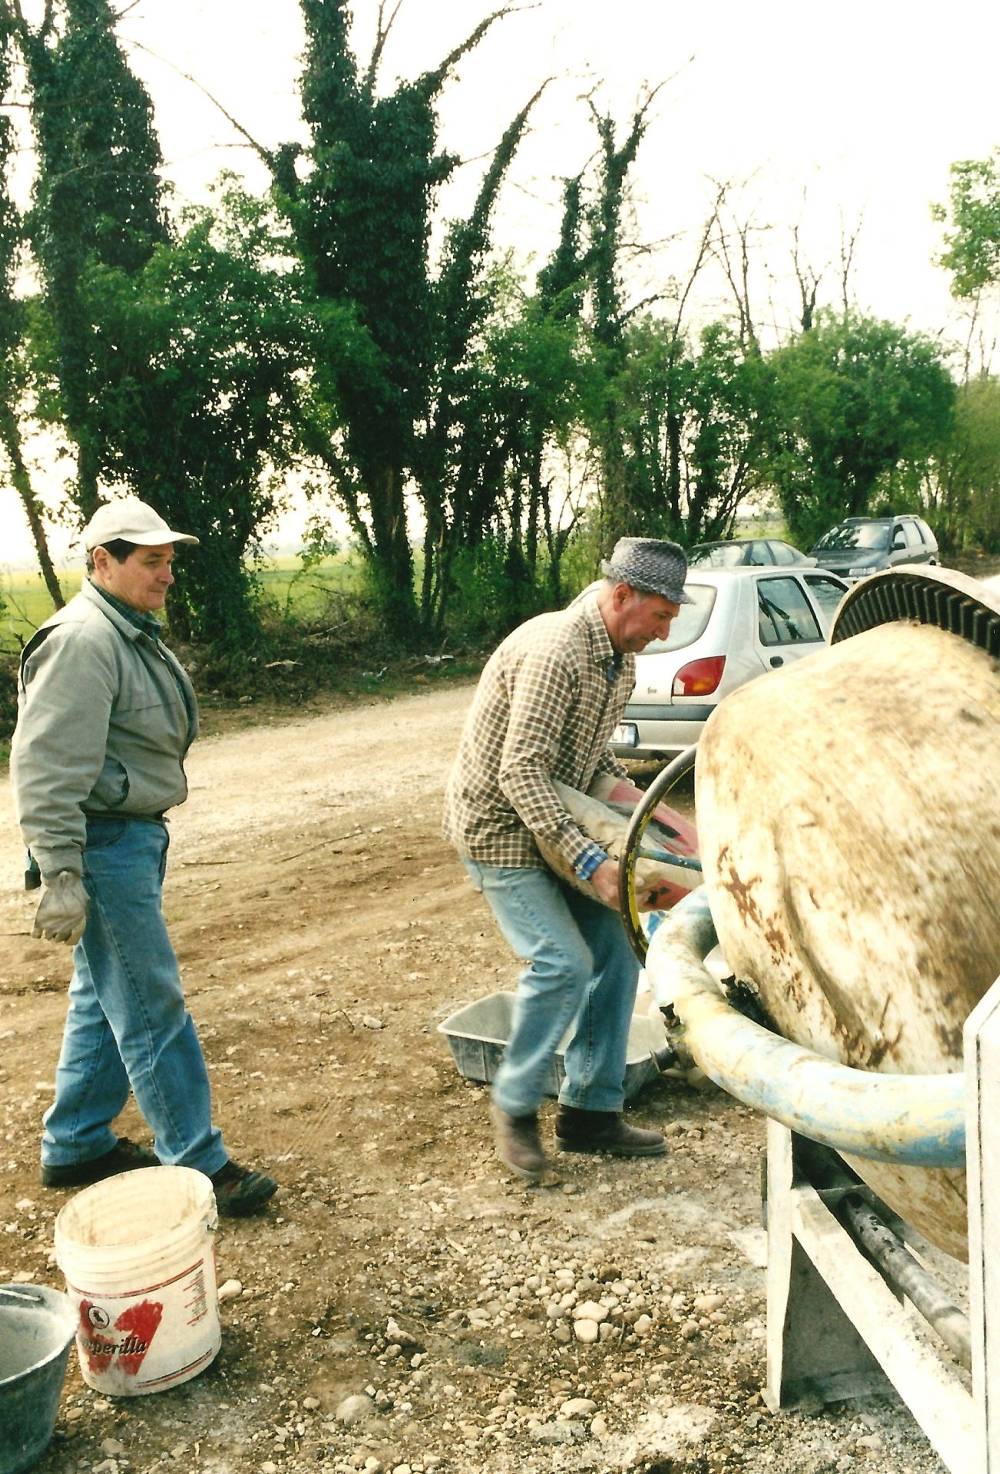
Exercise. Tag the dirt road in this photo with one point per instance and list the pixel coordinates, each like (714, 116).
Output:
(324, 930)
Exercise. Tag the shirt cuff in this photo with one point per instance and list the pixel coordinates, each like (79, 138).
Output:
(589, 861)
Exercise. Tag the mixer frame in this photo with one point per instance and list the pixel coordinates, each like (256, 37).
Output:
(837, 1330)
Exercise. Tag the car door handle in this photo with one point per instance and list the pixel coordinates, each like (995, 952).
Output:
(777, 660)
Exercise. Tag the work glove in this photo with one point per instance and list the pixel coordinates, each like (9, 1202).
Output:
(62, 911)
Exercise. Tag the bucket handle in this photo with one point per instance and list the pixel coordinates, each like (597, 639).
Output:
(32, 1296)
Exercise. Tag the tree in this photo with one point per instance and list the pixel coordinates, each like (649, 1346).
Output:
(98, 199)
(693, 422)
(13, 369)
(361, 215)
(972, 247)
(464, 442)
(621, 513)
(171, 357)
(963, 491)
(212, 343)
(854, 399)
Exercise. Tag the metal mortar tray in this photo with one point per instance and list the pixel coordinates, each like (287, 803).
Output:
(478, 1033)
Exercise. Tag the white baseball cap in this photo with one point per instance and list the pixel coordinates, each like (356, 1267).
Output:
(133, 521)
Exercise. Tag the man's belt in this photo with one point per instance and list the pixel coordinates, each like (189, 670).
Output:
(132, 818)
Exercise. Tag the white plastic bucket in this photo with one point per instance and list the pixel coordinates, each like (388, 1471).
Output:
(139, 1261)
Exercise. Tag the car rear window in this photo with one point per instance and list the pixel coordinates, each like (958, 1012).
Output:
(717, 555)
(692, 621)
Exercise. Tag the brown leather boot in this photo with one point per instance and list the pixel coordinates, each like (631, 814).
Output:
(604, 1131)
(518, 1144)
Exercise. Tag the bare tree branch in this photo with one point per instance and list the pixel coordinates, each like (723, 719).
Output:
(382, 29)
(737, 272)
(263, 153)
(630, 312)
(847, 245)
(808, 279)
(432, 82)
(704, 247)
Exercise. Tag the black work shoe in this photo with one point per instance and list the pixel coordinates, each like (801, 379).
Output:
(518, 1144)
(239, 1191)
(604, 1131)
(124, 1156)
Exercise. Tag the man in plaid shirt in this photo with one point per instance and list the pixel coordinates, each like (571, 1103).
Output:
(547, 703)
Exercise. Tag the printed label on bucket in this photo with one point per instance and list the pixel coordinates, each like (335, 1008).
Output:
(136, 1327)
(144, 1339)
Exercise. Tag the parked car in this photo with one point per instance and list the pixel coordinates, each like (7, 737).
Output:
(741, 623)
(862, 545)
(736, 552)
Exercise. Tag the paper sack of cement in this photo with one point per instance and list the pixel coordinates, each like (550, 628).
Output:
(668, 866)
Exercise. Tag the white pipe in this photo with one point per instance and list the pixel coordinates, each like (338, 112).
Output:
(909, 1120)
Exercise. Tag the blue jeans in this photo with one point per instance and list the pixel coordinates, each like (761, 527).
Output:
(581, 975)
(128, 1025)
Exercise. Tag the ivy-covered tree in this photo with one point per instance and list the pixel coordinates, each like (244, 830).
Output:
(621, 510)
(170, 355)
(13, 367)
(854, 400)
(361, 214)
(98, 199)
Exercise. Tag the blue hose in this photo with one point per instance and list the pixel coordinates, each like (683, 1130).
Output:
(907, 1120)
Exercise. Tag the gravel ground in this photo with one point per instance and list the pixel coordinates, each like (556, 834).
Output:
(402, 1307)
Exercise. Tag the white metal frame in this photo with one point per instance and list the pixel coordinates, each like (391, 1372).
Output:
(835, 1330)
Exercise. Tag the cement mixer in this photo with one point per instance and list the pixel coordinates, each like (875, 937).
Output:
(848, 815)
(848, 812)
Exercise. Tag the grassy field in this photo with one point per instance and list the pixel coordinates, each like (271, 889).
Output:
(25, 603)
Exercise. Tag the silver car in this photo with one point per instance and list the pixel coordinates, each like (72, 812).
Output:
(741, 623)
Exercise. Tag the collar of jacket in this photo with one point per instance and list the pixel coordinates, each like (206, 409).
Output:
(131, 624)
(602, 650)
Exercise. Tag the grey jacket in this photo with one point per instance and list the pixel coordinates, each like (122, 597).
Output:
(105, 717)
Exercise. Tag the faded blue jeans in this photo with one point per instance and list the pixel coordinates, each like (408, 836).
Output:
(581, 975)
(127, 1025)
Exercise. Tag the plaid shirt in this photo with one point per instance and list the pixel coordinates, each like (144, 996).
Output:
(548, 701)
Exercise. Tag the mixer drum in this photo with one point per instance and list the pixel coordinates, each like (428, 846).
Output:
(849, 818)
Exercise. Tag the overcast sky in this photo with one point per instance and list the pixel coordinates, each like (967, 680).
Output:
(825, 114)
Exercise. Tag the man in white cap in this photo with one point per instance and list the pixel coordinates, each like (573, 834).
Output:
(106, 716)
(547, 703)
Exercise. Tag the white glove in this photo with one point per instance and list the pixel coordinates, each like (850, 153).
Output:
(62, 911)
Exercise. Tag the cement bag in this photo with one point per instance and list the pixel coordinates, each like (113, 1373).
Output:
(670, 842)
(848, 820)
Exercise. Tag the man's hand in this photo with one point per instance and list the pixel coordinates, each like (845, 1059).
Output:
(605, 883)
(62, 911)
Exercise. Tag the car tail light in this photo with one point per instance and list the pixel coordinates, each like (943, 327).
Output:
(700, 677)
